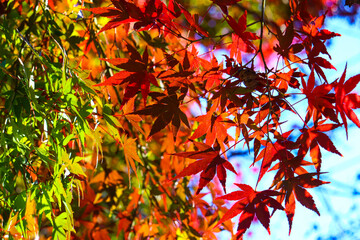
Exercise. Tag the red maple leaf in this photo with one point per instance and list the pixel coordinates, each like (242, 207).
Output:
(287, 168)
(224, 3)
(314, 137)
(228, 94)
(192, 21)
(166, 110)
(274, 151)
(284, 80)
(214, 126)
(137, 75)
(314, 44)
(295, 187)
(312, 29)
(319, 98)
(153, 14)
(285, 48)
(346, 101)
(240, 27)
(208, 163)
(250, 203)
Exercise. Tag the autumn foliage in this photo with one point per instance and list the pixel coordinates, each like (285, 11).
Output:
(118, 116)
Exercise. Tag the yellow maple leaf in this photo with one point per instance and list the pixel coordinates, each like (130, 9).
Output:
(32, 225)
(130, 152)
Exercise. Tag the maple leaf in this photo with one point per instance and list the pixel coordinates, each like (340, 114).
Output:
(285, 48)
(228, 94)
(118, 15)
(209, 162)
(284, 80)
(346, 101)
(151, 15)
(312, 29)
(212, 74)
(250, 203)
(274, 151)
(314, 44)
(295, 187)
(192, 20)
(224, 3)
(271, 108)
(237, 46)
(319, 98)
(240, 27)
(133, 119)
(314, 137)
(247, 76)
(248, 81)
(129, 145)
(166, 110)
(317, 63)
(184, 77)
(30, 213)
(288, 167)
(214, 126)
(137, 74)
